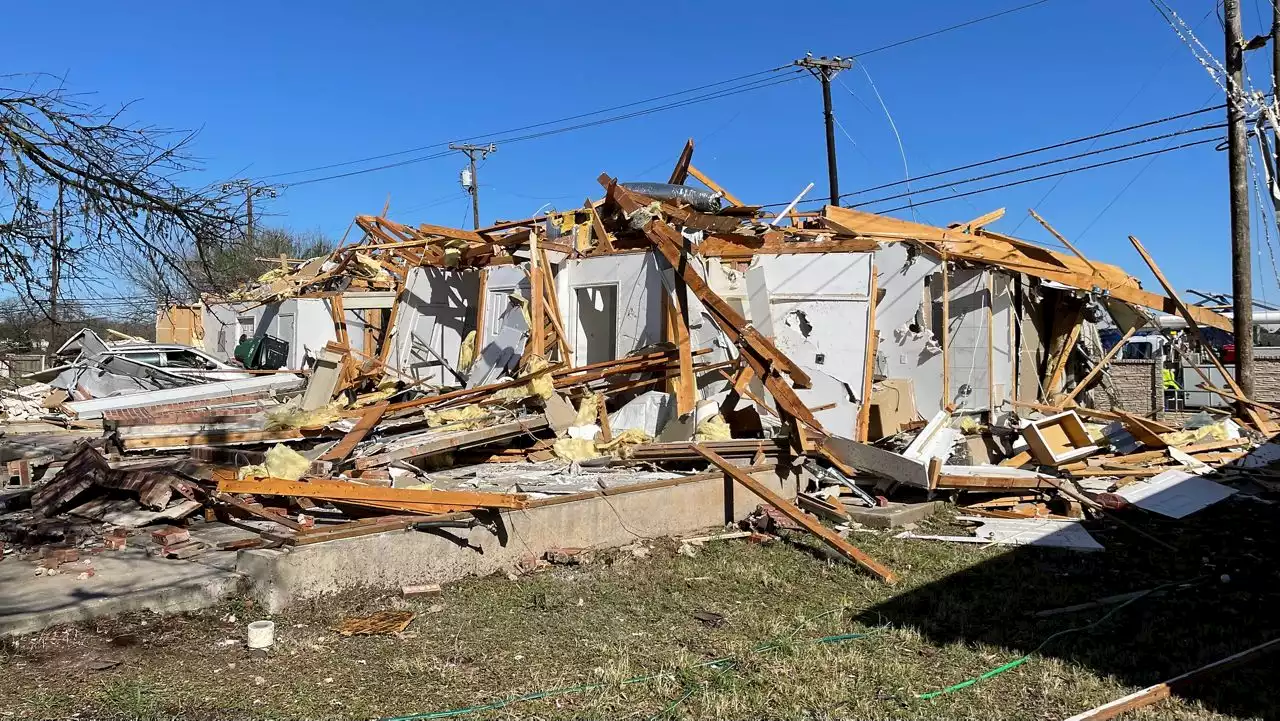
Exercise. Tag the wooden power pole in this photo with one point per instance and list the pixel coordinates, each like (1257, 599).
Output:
(824, 69)
(470, 182)
(251, 190)
(1238, 172)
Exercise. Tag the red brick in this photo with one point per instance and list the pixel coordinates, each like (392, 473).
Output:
(170, 535)
(54, 557)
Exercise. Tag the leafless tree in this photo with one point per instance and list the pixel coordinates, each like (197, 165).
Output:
(230, 265)
(83, 185)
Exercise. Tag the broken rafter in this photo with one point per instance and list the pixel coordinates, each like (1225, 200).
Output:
(715, 187)
(1016, 255)
(681, 172)
(1185, 311)
(841, 546)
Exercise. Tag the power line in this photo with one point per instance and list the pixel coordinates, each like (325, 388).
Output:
(957, 26)
(533, 136)
(1033, 151)
(665, 96)
(1054, 161)
(529, 127)
(1054, 175)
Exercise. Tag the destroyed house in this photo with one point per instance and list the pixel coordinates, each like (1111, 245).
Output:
(434, 375)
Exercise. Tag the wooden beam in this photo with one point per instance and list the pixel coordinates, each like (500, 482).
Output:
(342, 490)
(742, 247)
(681, 172)
(841, 546)
(1062, 239)
(868, 363)
(482, 298)
(677, 332)
(456, 233)
(604, 241)
(449, 441)
(258, 511)
(537, 304)
(984, 219)
(702, 178)
(371, 416)
(1226, 394)
(945, 402)
(1059, 364)
(1165, 689)
(211, 438)
(946, 480)
(1258, 421)
(1102, 364)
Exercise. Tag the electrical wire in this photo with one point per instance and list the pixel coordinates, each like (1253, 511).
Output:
(906, 171)
(708, 86)
(533, 136)
(1032, 151)
(1146, 166)
(527, 127)
(1141, 89)
(957, 26)
(1027, 657)
(1043, 163)
(1061, 172)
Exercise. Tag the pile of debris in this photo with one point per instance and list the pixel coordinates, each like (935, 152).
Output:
(426, 373)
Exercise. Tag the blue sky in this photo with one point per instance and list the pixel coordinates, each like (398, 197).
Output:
(276, 87)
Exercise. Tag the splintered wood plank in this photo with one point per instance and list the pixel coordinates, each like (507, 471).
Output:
(841, 546)
(342, 490)
(681, 171)
(670, 243)
(868, 363)
(1062, 239)
(1102, 364)
(677, 332)
(1161, 691)
(604, 241)
(745, 247)
(702, 178)
(1059, 364)
(1258, 421)
(371, 416)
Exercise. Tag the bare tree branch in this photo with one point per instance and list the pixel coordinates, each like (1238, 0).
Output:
(123, 199)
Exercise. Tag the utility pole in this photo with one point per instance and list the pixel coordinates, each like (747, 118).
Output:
(824, 69)
(470, 182)
(55, 273)
(1238, 172)
(1275, 69)
(251, 190)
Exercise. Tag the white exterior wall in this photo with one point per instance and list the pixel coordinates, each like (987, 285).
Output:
(637, 282)
(437, 310)
(981, 320)
(304, 323)
(816, 307)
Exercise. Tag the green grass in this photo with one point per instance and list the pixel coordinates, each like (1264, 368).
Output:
(960, 610)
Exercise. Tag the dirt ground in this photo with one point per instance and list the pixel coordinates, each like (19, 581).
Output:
(737, 630)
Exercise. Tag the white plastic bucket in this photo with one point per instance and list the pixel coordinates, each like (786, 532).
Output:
(262, 634)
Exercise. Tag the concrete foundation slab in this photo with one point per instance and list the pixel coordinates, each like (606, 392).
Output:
(280, 577)
(894, 515)
(123, 581)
